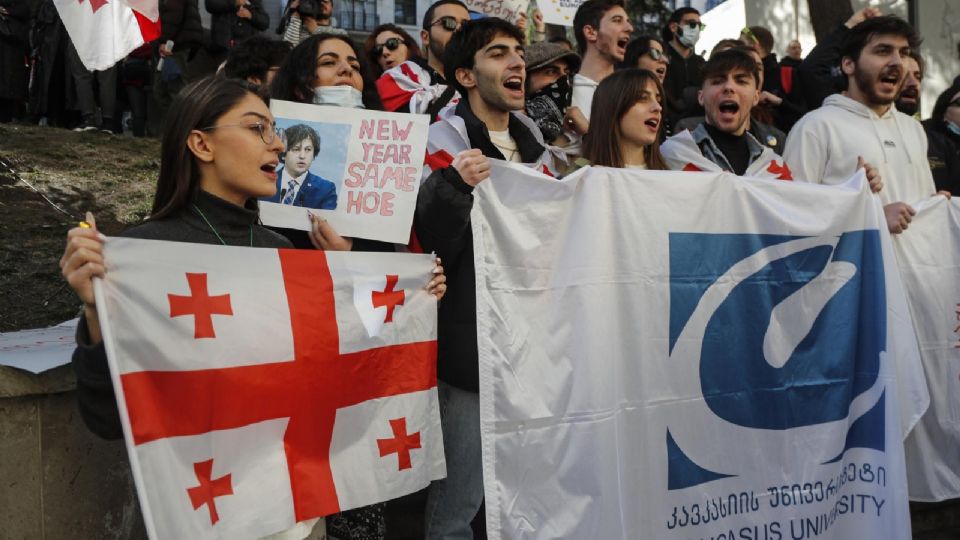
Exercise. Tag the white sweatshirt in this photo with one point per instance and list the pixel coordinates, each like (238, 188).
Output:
(583, 90)
(823, 148)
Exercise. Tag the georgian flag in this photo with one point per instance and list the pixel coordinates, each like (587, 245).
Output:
(251, 392)
(105, 31)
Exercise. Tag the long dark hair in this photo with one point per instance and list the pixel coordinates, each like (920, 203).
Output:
(297, 76)
(412, 48)
(197, 106)
(637, 48)
(613, 98)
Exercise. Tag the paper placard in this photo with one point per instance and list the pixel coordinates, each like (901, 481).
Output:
(507, 10)
(39, 349)
(559, 11)
(364, 177)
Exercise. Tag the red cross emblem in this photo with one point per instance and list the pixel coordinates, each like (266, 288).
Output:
(201, 305)
(388, 297)
(208, 490)
(782, 172)
(95, 4)
(165, 404)
(400, 444)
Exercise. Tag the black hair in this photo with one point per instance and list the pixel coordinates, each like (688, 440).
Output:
(561, 40)
(413, 49)
(858, 36)
(297, 76)
(675, 17)
(637, 48)
(298, 132)
(468, 40)
(915, 54)
(254, 56)
(428, 15)
(197, 106)
(590, 13)
(943, 101)
(726, 45)
(729, 60)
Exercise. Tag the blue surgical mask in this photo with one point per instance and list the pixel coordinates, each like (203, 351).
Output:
(953, 128)
(339, 96)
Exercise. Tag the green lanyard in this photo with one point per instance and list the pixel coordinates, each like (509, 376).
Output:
(207, 221)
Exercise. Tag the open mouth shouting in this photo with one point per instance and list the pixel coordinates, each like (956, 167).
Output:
(728, 110)
(890, 81)
(653, 123)
(661, 72)
(270, 170)
(909, 94)
(622, 46)
(514, 86)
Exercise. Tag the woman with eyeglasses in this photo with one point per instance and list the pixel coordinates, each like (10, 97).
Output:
(646, 52)
(219, 154)
(389, 46)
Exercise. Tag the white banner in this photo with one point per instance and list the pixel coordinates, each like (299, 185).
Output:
(507, 10)
(362, 176)
(929, 256)
(690, 355)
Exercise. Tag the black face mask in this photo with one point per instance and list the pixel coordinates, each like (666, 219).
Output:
(546, 107)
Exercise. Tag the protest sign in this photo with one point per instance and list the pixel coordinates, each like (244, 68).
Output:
(358, 169)
(559, 12)
(507, 10)
(734, 361)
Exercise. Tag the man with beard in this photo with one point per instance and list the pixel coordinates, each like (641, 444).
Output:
(684, 76)
(908, 102)
(603, 31)
(418, 85)
(825, 144)
(485, 62)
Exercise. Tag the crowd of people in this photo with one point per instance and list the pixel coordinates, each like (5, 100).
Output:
(493, 90)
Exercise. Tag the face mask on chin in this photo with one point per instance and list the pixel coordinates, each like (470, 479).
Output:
(952, 127)
(338, 96)
(689, 36)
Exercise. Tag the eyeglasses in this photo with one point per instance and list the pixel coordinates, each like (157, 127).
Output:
(450, 24)
(954, 103)
(694, 24)
(391, 44)
(658, 55)
(268, 133)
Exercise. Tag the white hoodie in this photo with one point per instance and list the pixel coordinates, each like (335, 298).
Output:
(823, 148)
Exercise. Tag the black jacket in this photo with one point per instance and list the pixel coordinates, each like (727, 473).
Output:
(442, 224)
(818, 75)
(98, 403)
(684, 78)
(943, 153)
(180, 23)
(13, 49)
(226, 29)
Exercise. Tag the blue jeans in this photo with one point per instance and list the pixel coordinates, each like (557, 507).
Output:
(454, 501)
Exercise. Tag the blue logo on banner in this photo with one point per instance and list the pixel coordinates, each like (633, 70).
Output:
(836, 361)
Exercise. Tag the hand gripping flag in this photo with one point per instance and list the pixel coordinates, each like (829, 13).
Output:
(258, 388)
(669, 355)
(105, 31)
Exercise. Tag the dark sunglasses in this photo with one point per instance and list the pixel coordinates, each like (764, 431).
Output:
(694, 24)
(954, 103)
(658, 55)
(391, 44)
(450, 24)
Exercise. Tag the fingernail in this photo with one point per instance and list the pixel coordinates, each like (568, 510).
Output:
(102, 237)
(89, 217)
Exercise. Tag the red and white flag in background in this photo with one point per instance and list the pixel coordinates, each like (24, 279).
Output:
(105, 31)
(256, 390)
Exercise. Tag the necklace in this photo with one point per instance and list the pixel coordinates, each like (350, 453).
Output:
(212, 228)
(505, 149)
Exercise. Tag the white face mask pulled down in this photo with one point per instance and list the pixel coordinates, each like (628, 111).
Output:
(339, 96)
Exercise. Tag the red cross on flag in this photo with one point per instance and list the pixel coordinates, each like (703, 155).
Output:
(105, 31)
(253, 395)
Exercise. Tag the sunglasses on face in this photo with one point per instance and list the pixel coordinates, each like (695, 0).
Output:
(954, 103)
(658, 55)
(693, 24)
(391, 44)
(450, 24)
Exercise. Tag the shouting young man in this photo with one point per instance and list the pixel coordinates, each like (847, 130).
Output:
(484, 60)
(603, 31)
(826, 144)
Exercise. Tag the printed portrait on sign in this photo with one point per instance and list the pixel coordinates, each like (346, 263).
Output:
(311, 167)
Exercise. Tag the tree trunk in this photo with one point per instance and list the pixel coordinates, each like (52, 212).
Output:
(825, 15)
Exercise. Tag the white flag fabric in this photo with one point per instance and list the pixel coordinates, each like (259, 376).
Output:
(678, 355)
(251, 392)
(929, 256)
(106, 31)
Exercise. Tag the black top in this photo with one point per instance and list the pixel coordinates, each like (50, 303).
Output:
(943, 153)
(734, 147)
(98, 403)
(684, 77)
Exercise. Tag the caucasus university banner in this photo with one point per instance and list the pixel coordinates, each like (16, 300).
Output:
(691, 355)
(259, 387)
(929, 256)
